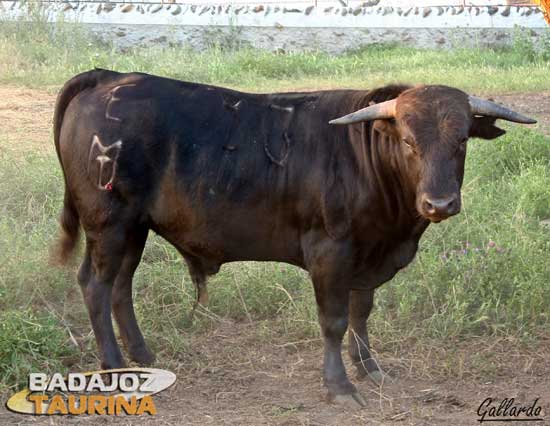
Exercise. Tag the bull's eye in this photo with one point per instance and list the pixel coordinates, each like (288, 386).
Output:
(408, 143)
(410, 146)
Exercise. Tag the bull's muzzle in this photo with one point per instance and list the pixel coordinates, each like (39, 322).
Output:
(438, 209)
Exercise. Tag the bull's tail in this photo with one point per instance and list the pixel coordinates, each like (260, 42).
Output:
(69, 233)
(69, 220)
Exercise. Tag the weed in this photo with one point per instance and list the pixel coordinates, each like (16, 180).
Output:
(30, 342)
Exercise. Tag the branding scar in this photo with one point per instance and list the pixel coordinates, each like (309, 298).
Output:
(113, 98)
(104, 155)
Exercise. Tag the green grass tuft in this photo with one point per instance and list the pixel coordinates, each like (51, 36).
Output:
(30, 342)
(39, 55)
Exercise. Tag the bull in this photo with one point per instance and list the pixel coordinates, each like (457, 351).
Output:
(228, 176)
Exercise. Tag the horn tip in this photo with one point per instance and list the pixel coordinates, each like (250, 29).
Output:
(340, 120)
(525, 120)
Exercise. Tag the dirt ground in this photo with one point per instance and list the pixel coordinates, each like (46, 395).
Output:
(237, 376)
(536, 105)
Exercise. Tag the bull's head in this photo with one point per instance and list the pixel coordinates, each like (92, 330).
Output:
(432, 125)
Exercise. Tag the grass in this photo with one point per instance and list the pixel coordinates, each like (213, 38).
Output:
(39, 56)
(483, 273)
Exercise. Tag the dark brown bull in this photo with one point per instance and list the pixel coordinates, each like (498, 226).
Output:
(227, 176)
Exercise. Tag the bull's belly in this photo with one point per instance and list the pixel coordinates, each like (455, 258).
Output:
(230, 237)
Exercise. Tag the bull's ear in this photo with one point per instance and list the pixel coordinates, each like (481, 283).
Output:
(484, 128)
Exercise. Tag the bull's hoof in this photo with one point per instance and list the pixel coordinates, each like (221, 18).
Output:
(113, 364)
(379, 377)
(143, 356)
(373, 372)
(351, 400)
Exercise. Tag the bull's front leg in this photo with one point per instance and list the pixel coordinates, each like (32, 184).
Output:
(360, 306)
(332, 301)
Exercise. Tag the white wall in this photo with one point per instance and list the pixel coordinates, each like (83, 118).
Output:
(297, 25)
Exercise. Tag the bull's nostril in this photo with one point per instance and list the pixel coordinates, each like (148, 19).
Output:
(428, 206)
(440, 206)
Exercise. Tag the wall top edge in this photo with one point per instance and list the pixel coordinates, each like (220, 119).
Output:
(290, 14)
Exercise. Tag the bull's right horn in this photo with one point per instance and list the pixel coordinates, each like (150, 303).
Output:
(379, 111)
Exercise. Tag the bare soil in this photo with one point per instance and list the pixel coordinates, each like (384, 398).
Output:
(247, 380)
(25, 120)
(536, 105)
(237, 374)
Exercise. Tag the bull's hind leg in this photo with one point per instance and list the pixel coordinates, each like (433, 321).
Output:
(97, 274)
(198, 276)
(361, 303)
(85, 271)
(122, 303)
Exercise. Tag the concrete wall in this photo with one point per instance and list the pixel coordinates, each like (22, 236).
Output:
(332, 26)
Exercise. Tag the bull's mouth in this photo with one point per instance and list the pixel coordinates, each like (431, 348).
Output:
(437, 218)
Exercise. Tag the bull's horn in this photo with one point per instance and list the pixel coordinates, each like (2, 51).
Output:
(491, 109)
(373, 112)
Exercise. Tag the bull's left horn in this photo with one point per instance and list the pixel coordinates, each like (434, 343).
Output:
(491, 109)
(374, 112)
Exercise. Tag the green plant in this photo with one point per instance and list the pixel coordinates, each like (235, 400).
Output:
(30, 342)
